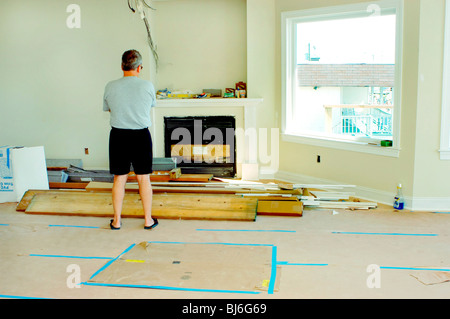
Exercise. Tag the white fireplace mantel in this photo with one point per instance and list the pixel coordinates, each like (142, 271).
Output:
(209, 102)
(244, 109)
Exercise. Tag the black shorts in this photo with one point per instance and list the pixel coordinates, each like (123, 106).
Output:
(130, 150)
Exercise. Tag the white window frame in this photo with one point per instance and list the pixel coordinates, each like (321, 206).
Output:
(288, 69)
(445, 114)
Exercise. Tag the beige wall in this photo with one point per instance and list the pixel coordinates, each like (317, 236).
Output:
(431, 175)
(202, 44)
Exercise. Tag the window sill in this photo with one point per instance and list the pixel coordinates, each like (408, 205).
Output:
(342, 145)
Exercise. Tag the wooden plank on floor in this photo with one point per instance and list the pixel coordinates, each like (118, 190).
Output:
(269, 196)
(69, 185)
(26, 199)
(29, 195)
(165, 206)
(343, 204)
(280, 208)
(323, 195)
(134, 188)
(202, 178)
(173, 175)
(175, 187)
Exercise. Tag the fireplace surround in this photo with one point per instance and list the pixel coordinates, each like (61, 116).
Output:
(244, 111)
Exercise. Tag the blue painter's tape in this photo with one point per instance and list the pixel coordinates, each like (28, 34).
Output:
(417, 268)
(73, 226)
(8, 156)
(65, 256)
(388, 234)
(442, 212)
(111, 261)
(171, 288)
(273, 272)
(232, 244)
(4, 224)
(250, 230)
(19, 297)
(103, 268)
(298, 264)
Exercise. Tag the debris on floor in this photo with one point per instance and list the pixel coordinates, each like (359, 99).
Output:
(431, 277)
(192, 196)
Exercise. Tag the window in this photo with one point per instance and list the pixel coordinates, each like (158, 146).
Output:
(341, 76)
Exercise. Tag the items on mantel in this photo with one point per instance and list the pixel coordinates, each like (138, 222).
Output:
(239, 91)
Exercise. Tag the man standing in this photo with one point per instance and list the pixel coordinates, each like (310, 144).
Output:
(129, 100)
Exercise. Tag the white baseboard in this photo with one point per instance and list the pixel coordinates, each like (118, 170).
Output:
(441, 204)
(432, 204)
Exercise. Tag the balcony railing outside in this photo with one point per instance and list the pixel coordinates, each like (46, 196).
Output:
(370, 121)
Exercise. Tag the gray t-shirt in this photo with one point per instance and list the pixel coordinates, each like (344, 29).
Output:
(129, 99)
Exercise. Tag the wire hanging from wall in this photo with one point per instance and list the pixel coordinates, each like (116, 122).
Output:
(139, 7)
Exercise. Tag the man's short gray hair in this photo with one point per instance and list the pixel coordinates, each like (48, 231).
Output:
(131, 59)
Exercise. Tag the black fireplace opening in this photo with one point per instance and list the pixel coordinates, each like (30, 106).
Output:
(202, 144)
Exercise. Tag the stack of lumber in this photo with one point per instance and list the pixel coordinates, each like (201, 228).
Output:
(334, 199)
(173, 175)
(221, 199)
(171, 200)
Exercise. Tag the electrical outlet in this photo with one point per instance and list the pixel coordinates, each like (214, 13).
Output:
(318, 158)
(86, 151)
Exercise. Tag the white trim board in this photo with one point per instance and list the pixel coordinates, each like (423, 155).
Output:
(428, 204)
(445, 115)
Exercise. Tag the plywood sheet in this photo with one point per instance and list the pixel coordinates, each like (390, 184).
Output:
(169, 206)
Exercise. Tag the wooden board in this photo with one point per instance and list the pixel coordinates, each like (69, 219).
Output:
(69, 185)
(210, 153)
(193, 178)
(29, 195)
(353, 205)
(169, 206)
(163, 176)
(280, 207)
(175, 187)
(269, 196)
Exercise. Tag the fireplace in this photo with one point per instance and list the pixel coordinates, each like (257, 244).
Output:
(202, 144)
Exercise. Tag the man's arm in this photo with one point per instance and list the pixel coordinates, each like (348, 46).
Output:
(105, 102)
